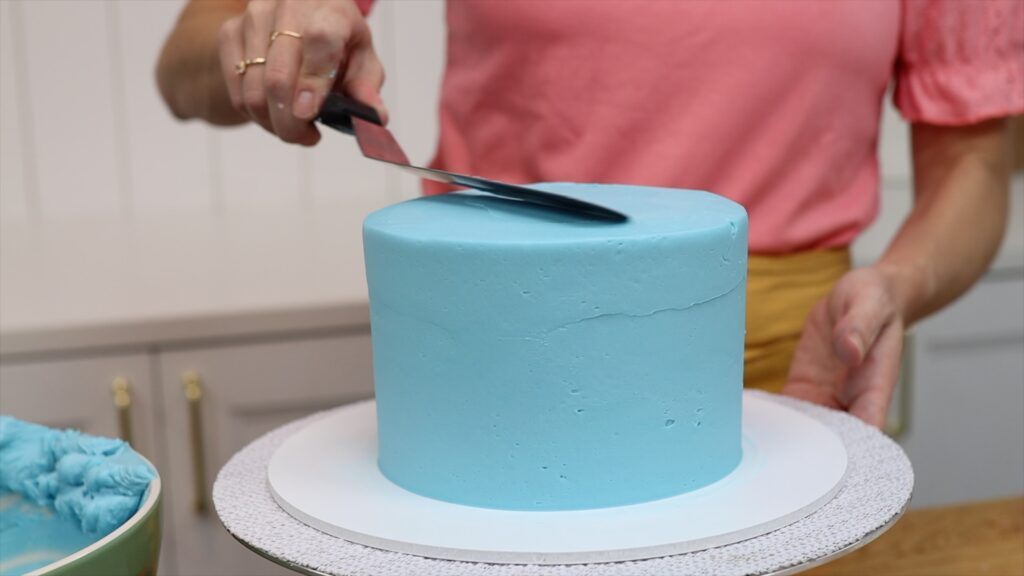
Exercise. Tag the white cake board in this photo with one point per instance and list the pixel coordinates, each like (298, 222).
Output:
(326, 475)
(876, 490)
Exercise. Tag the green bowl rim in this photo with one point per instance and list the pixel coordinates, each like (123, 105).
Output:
(152, 497)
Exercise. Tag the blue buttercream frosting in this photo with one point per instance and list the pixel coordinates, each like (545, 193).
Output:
(93, 485)
(534, 360)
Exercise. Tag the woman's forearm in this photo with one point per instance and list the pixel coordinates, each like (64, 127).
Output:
(961, 188)
(189, 71)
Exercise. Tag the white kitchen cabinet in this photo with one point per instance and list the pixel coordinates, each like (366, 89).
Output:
(965, 428)
(76, 154)
(240, 392)
(79, 393)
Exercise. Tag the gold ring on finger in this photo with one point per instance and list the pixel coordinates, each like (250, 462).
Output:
(284, 33)
(244, 65)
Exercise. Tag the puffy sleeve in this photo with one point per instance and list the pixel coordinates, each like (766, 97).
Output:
(960, 61)
(364, 6)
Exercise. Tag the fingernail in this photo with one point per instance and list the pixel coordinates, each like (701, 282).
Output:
(858, 345)
(305, 104)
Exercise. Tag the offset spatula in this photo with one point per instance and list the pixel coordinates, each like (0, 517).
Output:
(376, 142)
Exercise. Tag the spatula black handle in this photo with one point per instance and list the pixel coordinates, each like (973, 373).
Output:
(338, 110)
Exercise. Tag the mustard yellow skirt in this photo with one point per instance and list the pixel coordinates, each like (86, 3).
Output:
(781, 291)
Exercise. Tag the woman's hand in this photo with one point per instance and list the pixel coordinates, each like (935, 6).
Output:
(331, 48)
(848, 356)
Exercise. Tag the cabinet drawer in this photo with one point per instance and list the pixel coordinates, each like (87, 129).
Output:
(79, 394)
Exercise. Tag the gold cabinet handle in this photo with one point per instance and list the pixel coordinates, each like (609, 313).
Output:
(193, 396)
(121, 389)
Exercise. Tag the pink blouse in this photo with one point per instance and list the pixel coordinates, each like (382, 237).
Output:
(774, 104)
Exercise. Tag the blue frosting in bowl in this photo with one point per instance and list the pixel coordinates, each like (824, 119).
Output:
(61, 490)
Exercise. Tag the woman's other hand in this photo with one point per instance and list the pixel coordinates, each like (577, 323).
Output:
(848, 356)
(320, 45)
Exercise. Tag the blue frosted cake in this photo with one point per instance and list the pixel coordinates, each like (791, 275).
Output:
(532, 360)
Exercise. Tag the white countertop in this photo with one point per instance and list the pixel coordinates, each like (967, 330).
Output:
(109, 285)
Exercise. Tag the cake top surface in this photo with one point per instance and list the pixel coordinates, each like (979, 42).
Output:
(479, 217)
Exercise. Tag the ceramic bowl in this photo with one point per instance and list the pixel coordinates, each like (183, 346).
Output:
(132, 549)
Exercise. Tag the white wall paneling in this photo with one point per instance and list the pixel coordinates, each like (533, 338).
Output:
(893, 146)
(68, 69)
(168, 162)
(337, 172)
(107, 148)
(382, 25)
(17, 194)
(419, 40)
(115, 49)
(258, 172)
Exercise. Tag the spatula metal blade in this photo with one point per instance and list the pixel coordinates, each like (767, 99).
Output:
(376, 142)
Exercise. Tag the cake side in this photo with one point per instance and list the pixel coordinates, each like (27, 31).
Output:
(546, 363)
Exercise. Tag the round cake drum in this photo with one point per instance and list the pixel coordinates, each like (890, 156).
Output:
(326, 475)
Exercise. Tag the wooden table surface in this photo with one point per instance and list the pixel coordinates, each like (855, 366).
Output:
(982, 538)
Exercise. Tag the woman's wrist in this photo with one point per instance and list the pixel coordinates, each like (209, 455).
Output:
(909, 285)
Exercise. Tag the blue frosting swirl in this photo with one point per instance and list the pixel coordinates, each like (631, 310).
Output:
(96, 483)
